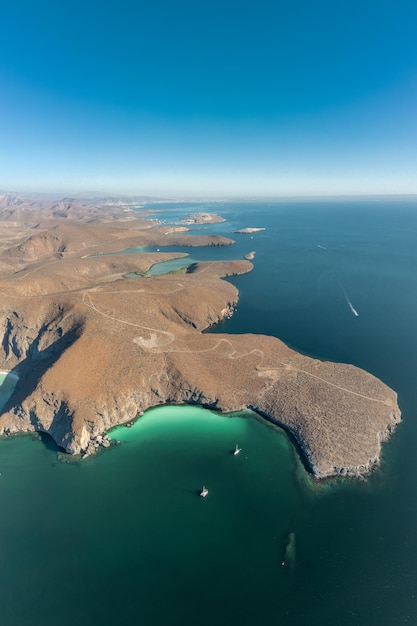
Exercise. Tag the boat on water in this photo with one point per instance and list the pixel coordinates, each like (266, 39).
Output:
(203, 492)
(236, 450)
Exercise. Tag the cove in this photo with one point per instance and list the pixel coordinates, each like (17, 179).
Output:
(125, 529)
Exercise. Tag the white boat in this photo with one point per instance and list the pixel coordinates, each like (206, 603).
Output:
(203, 492)
(236, 450)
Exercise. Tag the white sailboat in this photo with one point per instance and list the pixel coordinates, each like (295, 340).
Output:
(236, 450)
(203, 492)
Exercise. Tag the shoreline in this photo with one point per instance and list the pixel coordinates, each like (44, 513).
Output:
(108, 348)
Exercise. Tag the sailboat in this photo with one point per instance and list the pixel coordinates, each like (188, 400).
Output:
(236, 450)
(203, 492)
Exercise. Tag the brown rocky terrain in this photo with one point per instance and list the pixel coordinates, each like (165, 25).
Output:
(204, 218)
(94, 349)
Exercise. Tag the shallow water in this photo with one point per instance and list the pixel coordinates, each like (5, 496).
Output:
(124, 537)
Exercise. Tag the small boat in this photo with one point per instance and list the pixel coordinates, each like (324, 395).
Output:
(236, 450)
(203, 492)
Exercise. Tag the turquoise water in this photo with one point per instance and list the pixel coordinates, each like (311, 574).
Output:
(124, 537)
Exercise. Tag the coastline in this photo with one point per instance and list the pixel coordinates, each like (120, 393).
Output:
(139, 344)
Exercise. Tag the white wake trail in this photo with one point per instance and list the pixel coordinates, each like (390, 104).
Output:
(350, 305)
(352, 308)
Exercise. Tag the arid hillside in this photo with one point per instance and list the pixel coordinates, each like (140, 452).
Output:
(93, 348)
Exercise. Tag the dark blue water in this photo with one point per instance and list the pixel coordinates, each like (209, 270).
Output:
(124, 537)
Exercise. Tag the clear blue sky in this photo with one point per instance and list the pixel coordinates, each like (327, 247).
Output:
(215, 98)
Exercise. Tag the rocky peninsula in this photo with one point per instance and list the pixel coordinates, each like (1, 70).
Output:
(93, 349)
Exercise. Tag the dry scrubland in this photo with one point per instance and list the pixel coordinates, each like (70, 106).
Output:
(94, 349)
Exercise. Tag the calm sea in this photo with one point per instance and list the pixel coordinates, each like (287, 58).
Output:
(124, 538)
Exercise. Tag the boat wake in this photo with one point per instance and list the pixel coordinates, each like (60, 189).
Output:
(352, 308)
(330, 277)
(349, 303)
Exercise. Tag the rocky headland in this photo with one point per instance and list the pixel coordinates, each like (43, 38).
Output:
(93, 349)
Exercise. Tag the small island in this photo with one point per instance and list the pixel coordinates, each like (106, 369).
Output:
(250, 256)
(203, 218)
(248, 231)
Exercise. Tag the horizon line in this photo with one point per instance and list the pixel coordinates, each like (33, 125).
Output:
(101, 195)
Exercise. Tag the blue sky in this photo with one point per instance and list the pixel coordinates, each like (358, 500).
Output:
(186, 98)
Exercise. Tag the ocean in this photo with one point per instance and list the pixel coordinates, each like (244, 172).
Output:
(124, 537)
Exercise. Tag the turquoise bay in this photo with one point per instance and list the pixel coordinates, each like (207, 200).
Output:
(127, 534)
